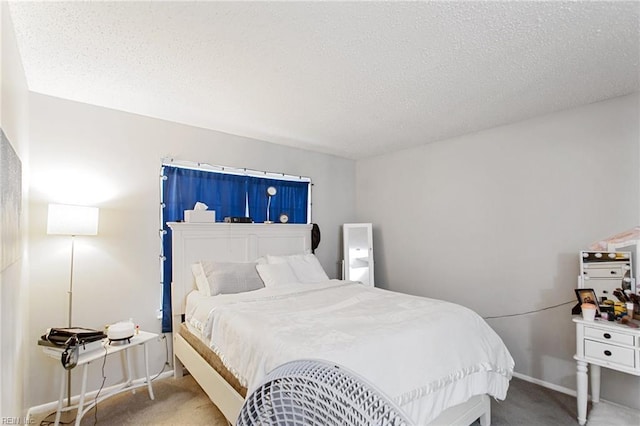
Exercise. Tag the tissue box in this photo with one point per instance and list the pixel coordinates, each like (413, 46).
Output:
(199, 215)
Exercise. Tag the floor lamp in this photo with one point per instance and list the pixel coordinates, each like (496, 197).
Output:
(71, 220)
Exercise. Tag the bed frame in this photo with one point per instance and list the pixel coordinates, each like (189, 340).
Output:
(234, 242)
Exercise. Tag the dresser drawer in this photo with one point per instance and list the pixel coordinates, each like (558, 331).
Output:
(610, 353)
(617, 271)
(609, 336)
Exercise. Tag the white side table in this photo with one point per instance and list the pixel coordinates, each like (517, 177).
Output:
(86, 358)
(603, 344)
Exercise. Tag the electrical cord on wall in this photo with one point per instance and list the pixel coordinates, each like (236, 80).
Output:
(166, 360)
(104, 378)
(530, 312)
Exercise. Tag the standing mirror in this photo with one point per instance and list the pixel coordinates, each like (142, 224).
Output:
(358, 253)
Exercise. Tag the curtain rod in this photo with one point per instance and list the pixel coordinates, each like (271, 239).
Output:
(195, 165)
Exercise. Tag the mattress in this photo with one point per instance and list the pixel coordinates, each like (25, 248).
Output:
(427, 355)
(212, 359)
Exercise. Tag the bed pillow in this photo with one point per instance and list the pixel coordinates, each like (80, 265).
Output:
(274, 275)
(228, 277)
(306, 267)
(200, 277)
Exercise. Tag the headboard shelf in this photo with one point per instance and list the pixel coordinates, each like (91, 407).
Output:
(227, 242)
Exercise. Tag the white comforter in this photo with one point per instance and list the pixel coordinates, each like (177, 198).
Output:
(425, 354)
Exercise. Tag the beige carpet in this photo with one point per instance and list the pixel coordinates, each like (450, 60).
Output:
(182, 402)
(606, 414)
(177, 402)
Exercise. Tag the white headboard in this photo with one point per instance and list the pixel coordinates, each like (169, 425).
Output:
(227, 242)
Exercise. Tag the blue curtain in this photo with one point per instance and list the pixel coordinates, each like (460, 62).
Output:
(226, 194)
(291, 198)
(181, 189)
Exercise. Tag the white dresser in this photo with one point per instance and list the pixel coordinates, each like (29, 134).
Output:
(603, 344)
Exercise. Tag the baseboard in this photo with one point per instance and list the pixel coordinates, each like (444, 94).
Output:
(560, 389)
(53, 405)
(544, 384)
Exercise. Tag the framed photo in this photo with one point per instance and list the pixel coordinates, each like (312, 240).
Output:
(588, 295)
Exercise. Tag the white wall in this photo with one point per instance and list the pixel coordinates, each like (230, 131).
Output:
(116, 273)
(494, 220)
(13, 280)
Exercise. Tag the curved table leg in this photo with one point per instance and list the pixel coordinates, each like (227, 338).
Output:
(146, 370)
(61, 398)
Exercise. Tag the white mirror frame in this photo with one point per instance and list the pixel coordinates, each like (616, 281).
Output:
(605, 271)
(358, 264)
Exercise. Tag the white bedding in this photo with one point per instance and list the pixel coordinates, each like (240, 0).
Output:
(426, 354)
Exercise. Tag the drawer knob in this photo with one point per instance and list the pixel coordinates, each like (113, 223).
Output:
(607, 336)
(607, 353)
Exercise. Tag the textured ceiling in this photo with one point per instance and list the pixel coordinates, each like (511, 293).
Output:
(354, 79)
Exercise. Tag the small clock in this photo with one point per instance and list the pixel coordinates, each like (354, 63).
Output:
(284, 218)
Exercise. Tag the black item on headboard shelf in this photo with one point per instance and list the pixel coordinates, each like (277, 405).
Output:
(315, 237)
(238, 219)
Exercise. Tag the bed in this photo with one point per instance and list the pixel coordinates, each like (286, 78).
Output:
(228, 354)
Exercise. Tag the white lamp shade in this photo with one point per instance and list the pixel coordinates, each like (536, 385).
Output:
(72, 220)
